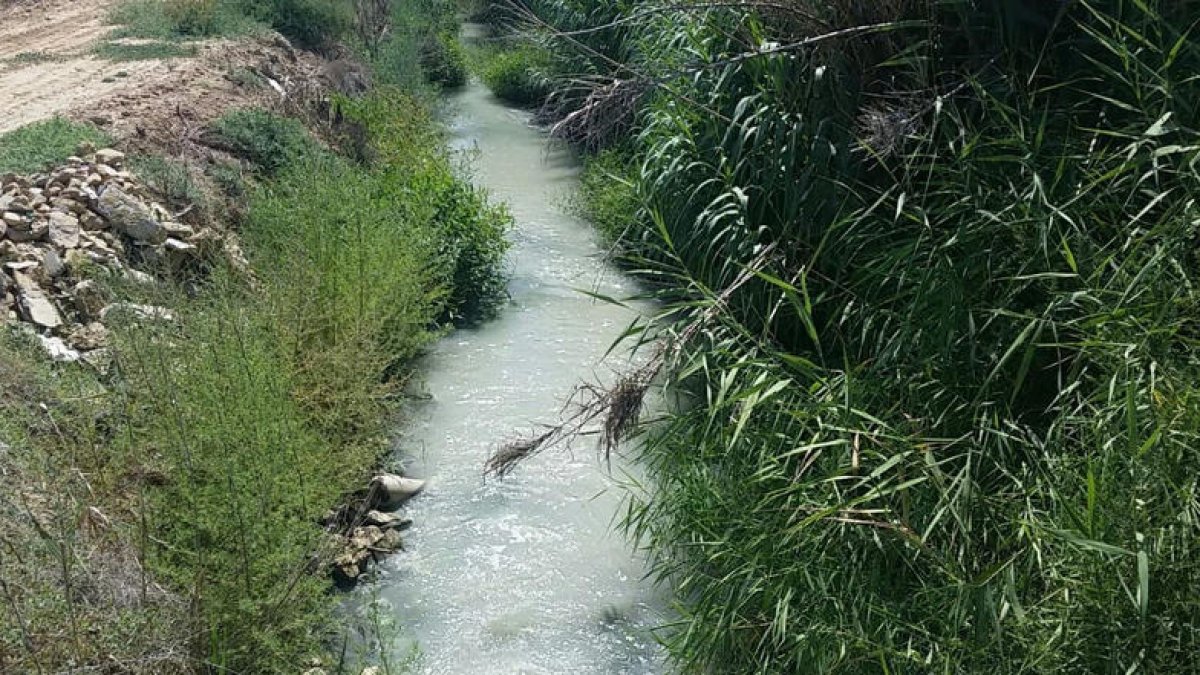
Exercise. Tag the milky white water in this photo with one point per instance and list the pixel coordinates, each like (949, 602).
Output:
(524, 575)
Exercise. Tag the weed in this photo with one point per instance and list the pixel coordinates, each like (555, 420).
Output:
(35, 57)
(245, 78)
(311, 24)
(169, 19)
(268, 141)
(518, 75)
(143, 51)
(36, 146)
(443, 60)
(607, 195)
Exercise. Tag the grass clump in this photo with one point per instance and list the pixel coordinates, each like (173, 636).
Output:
(144, 51)
(172, 19)
(25, 58)
(607, 195)
(444, 61)
(37, 146)
(310, 24)
(270, 142)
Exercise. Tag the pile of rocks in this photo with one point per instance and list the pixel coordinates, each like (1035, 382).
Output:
(362, 538)
(88, 211)
(376, 537)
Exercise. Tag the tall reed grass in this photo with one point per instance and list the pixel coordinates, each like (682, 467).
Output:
(928, 277)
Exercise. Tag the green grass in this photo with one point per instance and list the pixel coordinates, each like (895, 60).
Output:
(607, 195)
(144, 51)
(34, 57)
(423, 47)
(444, 60)
(269, 142)
(310, 24)
(173, 19)
(36, 146)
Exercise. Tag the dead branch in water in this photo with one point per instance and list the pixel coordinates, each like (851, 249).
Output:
(613, 412)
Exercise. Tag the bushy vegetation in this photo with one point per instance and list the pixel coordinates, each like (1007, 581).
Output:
(469, 231)
(929, 278)
(173, 19)
(310, 24)
(607, 195)
(35, 146)
(164, 511)
(443, 60)
(423, 47)
(516, 74)
(268, 141)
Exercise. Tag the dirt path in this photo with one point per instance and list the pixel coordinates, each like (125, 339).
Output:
(46, 64)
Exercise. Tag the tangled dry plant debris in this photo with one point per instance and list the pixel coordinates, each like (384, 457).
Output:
(614, 412)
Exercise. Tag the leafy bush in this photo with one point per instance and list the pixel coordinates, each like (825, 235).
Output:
(36, 146)
(311, 24)
(517, 75)
(470, 231)
(443, 60)
(268, 141)
(164, 19)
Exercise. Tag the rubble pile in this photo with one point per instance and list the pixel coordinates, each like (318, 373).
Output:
(83, 220)
(368, 528)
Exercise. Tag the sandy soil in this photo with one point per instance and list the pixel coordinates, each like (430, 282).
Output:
(65, 31)
(151, 103)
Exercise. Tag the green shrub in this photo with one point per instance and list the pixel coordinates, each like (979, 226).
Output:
(517, 75)
(36, 146)
(311, 24)
(218, 400)
(443, 60)
(167, 19)
(268, 141)
(469, 230)
(422, 47)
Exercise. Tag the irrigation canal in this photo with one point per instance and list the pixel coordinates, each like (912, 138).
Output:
(524, 575)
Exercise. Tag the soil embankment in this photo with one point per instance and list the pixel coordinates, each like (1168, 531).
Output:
(177, 419)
